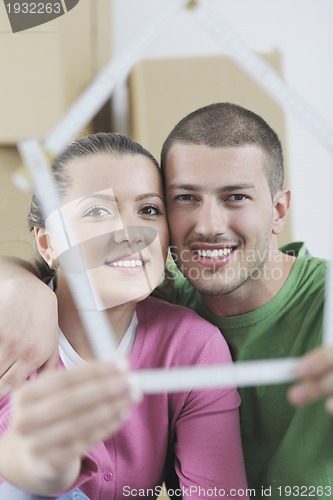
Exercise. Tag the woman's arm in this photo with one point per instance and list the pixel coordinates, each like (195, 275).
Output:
(28, 324)
(56, 419)
(208, 447)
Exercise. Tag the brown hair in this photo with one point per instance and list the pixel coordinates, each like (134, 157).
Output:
(229, 125)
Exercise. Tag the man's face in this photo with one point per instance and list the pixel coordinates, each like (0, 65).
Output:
(220, 213)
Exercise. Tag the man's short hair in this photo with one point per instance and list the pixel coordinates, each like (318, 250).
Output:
(222, 125)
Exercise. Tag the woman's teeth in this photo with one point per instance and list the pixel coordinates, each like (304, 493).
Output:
(127, 263)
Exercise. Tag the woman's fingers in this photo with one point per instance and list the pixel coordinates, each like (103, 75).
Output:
(68, 397)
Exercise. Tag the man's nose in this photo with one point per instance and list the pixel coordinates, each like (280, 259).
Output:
(212, 218)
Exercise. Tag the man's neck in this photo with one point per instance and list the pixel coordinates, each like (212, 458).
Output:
(253, 294)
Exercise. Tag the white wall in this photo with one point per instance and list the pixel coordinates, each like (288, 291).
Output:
(302, 31)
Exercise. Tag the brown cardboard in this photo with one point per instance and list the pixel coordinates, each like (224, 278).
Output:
(162, 91)
(44, 69)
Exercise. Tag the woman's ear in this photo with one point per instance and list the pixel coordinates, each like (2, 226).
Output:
(44, 244)
(281, 204)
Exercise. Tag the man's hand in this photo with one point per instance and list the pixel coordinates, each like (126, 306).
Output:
(315, 373)
(28, 325)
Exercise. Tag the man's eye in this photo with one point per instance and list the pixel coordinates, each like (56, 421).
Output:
(96, 212)
(237, 197)
(150, 210)
(184, 197)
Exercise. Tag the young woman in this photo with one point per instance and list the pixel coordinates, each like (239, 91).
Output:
(62, 431)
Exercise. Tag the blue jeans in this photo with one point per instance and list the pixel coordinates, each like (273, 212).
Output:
(10, 492)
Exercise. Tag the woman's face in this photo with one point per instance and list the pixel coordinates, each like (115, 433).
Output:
(115, 216)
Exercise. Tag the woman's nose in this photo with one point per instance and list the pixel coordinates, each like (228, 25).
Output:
(135, 235)
(126, 235)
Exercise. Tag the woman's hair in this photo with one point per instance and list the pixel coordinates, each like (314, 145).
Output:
(115, 144)
(225, 124)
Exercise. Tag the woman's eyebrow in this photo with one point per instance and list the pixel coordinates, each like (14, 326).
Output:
(109, 197)
(148, 195)
(97, 196)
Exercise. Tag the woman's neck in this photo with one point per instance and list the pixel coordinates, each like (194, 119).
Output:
(71, 325)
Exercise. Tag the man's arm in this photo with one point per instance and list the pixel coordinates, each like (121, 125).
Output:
(28, 324)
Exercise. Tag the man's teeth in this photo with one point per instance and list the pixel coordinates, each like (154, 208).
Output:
(214, 254)
(127, 263)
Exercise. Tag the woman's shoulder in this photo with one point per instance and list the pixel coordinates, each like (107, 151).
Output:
(155, 307)
(178, 335)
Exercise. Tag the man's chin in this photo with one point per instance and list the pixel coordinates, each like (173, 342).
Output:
(213, 291)
(215, 285)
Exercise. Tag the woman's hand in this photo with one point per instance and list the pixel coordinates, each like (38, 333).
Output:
(57, 418)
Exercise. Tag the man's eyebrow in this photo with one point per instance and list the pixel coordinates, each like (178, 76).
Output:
(148, 195)
(224, 189)
(235, 187)
(183, 187)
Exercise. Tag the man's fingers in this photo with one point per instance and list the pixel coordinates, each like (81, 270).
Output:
(50, 363)
(15, 371)
(316, 363)
(315, 371)
(8, 354)
(13, 378)
(311, 390)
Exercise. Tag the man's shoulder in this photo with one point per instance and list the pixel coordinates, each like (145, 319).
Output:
(299, 249)
(307, 277)
(302, 254)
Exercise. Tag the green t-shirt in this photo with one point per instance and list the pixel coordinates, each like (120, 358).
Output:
(288, 452)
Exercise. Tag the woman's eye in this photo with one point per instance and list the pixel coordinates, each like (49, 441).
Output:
(150, 210)
(96, 212)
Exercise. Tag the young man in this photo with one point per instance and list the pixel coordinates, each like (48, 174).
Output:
(223, 169)
(226, 204)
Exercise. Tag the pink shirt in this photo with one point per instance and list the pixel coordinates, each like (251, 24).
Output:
(197, 432)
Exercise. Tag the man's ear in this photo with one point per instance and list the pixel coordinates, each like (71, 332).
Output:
(281, 204)
(43, 243)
